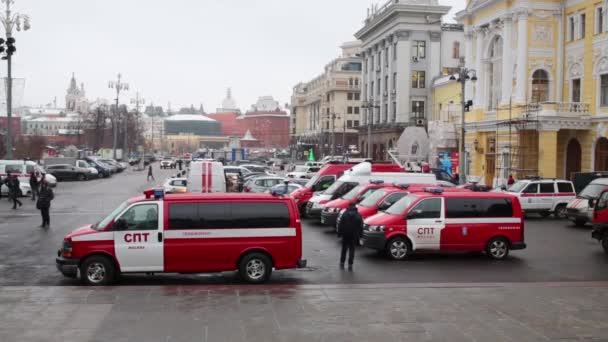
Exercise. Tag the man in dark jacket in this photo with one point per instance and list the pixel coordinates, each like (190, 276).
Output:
(34, 184)
(45, 196)
(351, 230)
(13, 190)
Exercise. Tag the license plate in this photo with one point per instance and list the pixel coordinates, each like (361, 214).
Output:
(323, 220)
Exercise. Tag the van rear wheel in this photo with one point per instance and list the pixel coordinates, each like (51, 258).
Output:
(560, 212)
(255, 268)
(398, 248)
(97, 270)
(498, 248)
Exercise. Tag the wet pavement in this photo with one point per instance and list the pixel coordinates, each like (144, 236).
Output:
(381, 312)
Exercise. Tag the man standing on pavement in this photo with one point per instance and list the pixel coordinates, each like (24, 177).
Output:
(34, 185)
(13, 190)
(150, 175)
(179, 164)
(45, 196)
(351, 229)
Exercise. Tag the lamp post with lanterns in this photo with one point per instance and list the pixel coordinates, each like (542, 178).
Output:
(370, 106)
(10, 21)
(463, 76)
(119, 86)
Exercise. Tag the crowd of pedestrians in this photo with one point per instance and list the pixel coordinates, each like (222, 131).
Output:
(42, 194)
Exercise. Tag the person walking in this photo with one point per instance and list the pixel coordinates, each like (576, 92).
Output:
(351, 230)
(511, 180)
(150, 175)
(45, 196)
(179, 164)
(34, 184)
(13, 191)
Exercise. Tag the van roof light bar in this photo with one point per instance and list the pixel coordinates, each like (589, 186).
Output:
(376, 181)
(434, 190)
(402, 185)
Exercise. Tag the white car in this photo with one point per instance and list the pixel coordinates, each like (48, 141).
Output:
(544, 196)
(303, 172)
(167, 163)
(176, 185)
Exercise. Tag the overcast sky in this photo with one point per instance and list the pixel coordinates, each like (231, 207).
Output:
(182, 51)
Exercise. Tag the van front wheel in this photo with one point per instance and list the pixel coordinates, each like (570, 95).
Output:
(498, 248)
(97, 270)
(398, 248)
(255, 268)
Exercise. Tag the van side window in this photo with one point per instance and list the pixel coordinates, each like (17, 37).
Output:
(565, 187)
(429, 209)
(324, 183)
(478, 207)
(260, 215)
(141, 217)
(531, 189)
(227, 215)
(547, 188)
(497, 207)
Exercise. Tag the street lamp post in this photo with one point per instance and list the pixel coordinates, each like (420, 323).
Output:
(137, 101)
(370, 106)
(334, 116)
(464, 75)
(119, 86)
(9, 21)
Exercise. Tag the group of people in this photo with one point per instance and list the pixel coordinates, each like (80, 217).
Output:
(41, 193)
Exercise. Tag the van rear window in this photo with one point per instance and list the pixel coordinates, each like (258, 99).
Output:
(228, 215)
(478, 207)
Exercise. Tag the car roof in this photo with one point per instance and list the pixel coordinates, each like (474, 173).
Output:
(221, 196)
(602, 181)
(461, 194)
(544, 180)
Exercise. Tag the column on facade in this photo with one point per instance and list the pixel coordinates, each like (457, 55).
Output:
(404, 75)
(469, 62)
(507, 60)
(435, 67)
(559, 95)
(479, 65)
(364, 81)
(522, 56)
(384, 90)
(547, 146)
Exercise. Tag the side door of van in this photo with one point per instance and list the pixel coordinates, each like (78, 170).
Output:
(138, 238)
(425, 221)
(529, 197)
(546, 197)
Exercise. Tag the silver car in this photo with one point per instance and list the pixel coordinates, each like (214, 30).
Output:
(261, 184)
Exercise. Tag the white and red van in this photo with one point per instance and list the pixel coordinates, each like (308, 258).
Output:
(328, 175)
(187, 233)
(435, 220)
(206, 176)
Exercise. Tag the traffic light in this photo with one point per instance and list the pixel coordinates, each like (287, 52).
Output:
(2, 41)
(467, 106)
(10, 45)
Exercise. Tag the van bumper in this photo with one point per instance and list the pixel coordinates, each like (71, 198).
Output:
(67, 267)
(518, 245)
(374, 240)
(329, 218)
(313, 212)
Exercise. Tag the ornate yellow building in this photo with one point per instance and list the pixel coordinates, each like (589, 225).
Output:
(540, 105)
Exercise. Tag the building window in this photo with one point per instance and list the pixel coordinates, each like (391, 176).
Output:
(540, 86)
(379, 59)
(386, 57)
(604, 90)
(576, 90)
(349, 110)
(418, 109)
(456, 50)
(372, 64)
(599, 20)
(418, 79)
(494, 76)
(583, 24)
(356, 82)
(385, 113)
(350, 96)
(349, 124)
(386, 84)
(378, 86)
(357, 96)
(328, 97)
(419, 48)
(394, 81)
(356, 123)
(357, 110)
(394, 51)
(571, 28)
(394, 117)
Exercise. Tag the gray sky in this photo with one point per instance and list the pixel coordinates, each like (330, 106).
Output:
(183, 51)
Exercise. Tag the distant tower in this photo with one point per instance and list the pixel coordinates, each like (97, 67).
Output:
(75, 98)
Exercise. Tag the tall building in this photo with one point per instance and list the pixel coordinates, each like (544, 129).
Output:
(405, 46)
(325, 110)
(75, 99)
(541, 101)
(267, 123)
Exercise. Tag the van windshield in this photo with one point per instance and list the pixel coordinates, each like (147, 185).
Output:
(373, 199)
(351, 194)
(104, 223)
(592, 191)
(401, 205)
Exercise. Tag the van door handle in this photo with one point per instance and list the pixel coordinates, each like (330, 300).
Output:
(439, 221)
(160, 237)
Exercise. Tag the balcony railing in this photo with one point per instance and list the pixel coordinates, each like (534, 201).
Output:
(564, 109)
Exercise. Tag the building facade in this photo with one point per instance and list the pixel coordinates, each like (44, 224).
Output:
(75, 99)
(267, 123)
(405, 47)
(541, 101)
(326, 111)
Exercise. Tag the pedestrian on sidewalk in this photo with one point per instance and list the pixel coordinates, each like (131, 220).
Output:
(179, 164)
(150, 175)
(351, 230)
(34, 184)
(13, 191)
(45, 196)
(511, 180)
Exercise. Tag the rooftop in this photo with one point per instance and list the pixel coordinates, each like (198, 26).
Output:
(189, 117)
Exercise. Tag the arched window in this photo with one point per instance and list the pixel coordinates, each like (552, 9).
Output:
(495, 72)
(540, 86)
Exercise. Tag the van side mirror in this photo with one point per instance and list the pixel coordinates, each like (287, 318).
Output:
(591, 203)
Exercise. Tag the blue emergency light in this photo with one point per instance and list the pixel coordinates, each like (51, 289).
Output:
(434, 190)
(376, 181)
(402, 185)
(159, 193)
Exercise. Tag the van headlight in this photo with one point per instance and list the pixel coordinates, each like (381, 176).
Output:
(332, 210)
(378, 228)
(318, 206)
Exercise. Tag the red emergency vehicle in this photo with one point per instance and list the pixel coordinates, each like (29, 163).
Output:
(381, 200)
(600, 219)
(328, 175)
(435, 220)
(187, 233)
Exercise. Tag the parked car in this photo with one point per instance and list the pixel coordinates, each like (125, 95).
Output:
(303, 172)
(176, 185)
(280, 188)
(256, 168)
(24, 169)
(544, 196)
(118, 167)
(261, 184)
(168, 163)
(578, 210)
(69, 172)
(103, 169)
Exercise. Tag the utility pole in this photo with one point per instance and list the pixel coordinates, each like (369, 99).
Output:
(333, 133)
(344, 138)
(464, 75)
(119, 85)
(9, 21)
(137, 101)
(369, 106)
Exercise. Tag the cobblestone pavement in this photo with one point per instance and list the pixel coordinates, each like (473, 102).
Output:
(379, 312)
